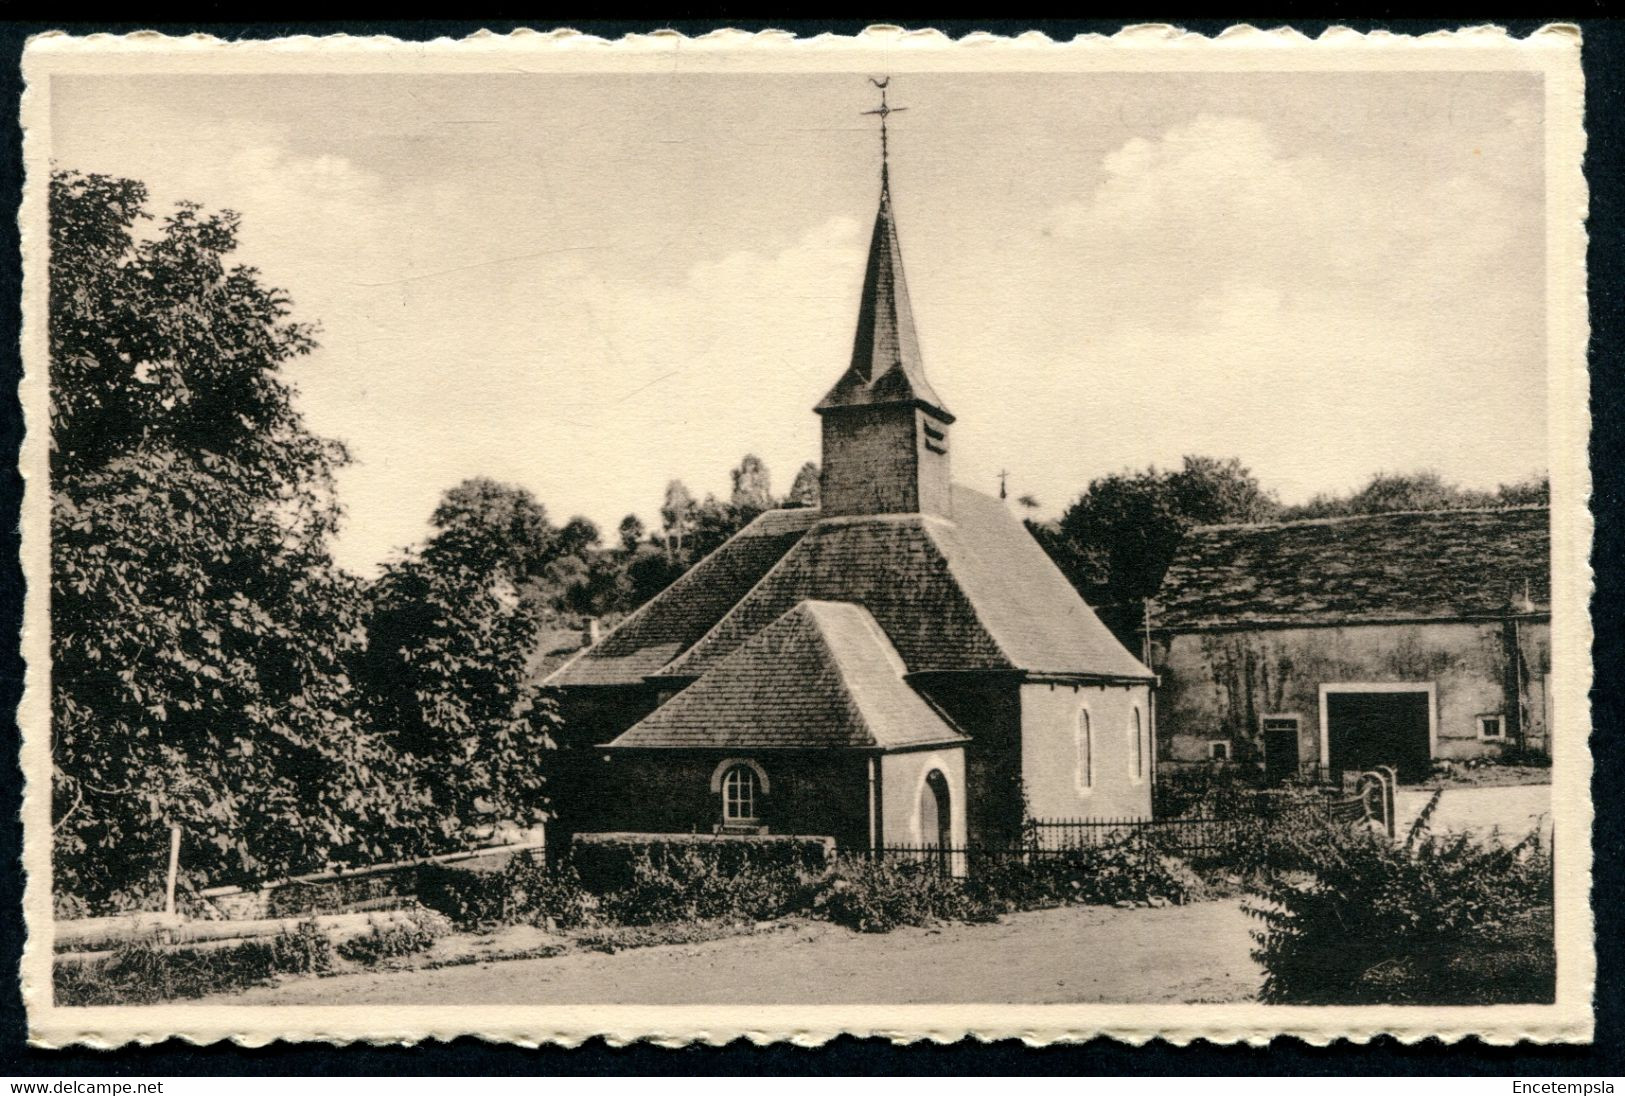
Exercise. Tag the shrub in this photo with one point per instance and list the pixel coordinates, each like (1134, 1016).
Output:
(1130, 869)
(883, 894)
(1350, 917)
(607, 862)
(140, 972)
(697, 884)
(394, 941)
(528, 890)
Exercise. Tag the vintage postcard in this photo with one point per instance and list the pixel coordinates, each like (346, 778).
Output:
(688, 538)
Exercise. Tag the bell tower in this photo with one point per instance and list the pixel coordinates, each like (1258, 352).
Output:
(885, 432)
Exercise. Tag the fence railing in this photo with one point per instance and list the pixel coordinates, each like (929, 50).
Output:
(1144, 838)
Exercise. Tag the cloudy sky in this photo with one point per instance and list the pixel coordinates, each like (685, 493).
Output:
(591, 284)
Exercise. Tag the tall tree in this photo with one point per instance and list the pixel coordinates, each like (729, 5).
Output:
(1117, 540)
(631, 532)
(446, 671)
(804, 491)
(676, 512)
(482, 515)
(752, 486)
(200, 630)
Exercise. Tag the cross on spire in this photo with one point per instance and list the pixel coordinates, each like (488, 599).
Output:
(883, 110)
(1002, 477)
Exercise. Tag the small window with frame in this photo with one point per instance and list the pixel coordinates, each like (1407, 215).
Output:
(1492, 728)
(740, 793)
(1218, 750)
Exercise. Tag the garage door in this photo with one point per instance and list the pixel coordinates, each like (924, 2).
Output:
(1364, 730)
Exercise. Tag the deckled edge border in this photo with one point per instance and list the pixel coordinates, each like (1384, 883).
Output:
(99, 1028)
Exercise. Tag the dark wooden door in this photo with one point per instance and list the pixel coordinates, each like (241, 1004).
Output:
(1280, 754)
(1365, 730)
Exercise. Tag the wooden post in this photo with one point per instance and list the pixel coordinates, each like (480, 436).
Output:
(174, 866)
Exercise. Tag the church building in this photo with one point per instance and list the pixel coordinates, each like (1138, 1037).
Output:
(901, 666)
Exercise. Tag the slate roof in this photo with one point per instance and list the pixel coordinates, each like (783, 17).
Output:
(886, 363)
(973, 593)
(1423, 565)
(670, 622)
(822, 675)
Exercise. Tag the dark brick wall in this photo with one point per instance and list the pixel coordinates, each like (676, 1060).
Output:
(591, 717)
(823, 793)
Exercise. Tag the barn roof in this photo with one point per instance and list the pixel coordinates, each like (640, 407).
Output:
(973, 593)
(670, 622)
(822, 675)
(1421, 565)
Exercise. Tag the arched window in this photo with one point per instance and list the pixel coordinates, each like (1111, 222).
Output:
(1085, 752)
(1136, 748)
(740, 794)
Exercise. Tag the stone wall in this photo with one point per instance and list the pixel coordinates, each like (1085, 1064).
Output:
(823, 793)
(1221, 685)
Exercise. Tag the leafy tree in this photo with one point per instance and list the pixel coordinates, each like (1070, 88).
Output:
(578, 537)
(1209, 491)
(200, 631)
(631, 532)
(676, 512)
(649, 571)
(1535, 490)
(714, 522)
(481, 515)
(1117, 540)
(752, 486)
(446, 672)
(804, 491)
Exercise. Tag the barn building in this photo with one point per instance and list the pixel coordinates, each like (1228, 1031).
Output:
(1397, 638)
(903, 665)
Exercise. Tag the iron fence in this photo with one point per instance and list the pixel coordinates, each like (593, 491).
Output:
(1195, 837)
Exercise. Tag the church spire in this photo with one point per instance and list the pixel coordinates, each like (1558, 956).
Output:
(885, 432)
(886, 364)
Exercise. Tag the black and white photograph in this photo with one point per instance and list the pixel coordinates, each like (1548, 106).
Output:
(541, 540)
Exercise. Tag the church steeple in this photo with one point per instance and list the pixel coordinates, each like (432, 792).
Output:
(885, 430)
(886, 363)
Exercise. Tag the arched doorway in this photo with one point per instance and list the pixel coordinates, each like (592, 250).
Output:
(936, 812)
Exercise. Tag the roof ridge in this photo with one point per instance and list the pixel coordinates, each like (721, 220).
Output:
(678, 583)
(832, 657)
(665, 670)
(1341, 519)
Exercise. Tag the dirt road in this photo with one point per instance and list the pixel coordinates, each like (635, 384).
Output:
(1079, 954)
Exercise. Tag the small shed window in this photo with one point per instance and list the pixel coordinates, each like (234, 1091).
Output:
(1136, 747)
(1218, 750)
(1491, 726)
(1085, 752)
(740, 792)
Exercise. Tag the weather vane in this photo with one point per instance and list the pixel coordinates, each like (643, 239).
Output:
(883, 110)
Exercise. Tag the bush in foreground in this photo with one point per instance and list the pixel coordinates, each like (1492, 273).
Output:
(1353, 918)
(528, 890)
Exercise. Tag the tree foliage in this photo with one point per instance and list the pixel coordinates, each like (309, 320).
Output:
(1117, 540)
(804, 490)
(752, 485)
(445, 677)
(1388, 492)
(201, 634)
